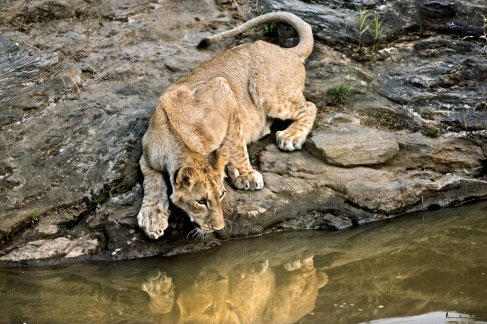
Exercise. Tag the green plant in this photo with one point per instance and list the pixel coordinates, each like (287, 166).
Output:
(98, 198)
(253, 156)
(385, 120)
(7, 235)
(35, 215)
(268, 28)
(432, 132)
(377, 32)
(112, 188)
(363, 25)
(340, 93)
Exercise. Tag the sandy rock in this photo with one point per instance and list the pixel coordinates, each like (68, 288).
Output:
(56, 248)
(350, 146)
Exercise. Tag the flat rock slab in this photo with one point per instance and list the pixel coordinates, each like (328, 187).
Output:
(59, 247)
(350, 147)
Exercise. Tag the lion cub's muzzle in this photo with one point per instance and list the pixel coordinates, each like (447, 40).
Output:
(215, 224)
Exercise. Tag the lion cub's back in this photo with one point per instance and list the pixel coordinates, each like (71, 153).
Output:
(239, 63)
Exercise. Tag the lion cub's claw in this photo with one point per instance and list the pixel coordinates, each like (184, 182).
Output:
(289, 142)
(298, 264)
(249, 181)
(153, 221)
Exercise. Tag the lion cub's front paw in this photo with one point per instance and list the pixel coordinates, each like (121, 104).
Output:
(161, 290)
(289, 140)
(153, 221)
(158, 285)
(249, 181)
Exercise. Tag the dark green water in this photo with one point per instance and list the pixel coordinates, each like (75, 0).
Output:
(413, 269)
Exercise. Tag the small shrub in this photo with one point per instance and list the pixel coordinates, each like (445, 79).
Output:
(340, 93)
(377, 31)
(112, 188)
(35, 216)
(432, 132)
(253, 156)
(385, 120)
(268, 28)
(374, 27)
(98, 198)
(363, 25)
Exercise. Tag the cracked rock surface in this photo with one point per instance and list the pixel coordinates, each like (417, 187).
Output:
(79, 81)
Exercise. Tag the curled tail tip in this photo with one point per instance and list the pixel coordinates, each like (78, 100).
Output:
(204, 43)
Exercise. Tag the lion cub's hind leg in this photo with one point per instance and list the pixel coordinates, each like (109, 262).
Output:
(222, 99)
(303, 114)
(154, 213)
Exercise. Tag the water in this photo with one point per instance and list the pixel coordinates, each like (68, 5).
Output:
(427, 268)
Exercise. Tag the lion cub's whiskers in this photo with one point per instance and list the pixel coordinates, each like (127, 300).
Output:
(226, 228)
(192, 233)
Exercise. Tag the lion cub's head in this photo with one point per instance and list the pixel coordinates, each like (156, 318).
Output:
(199, 190)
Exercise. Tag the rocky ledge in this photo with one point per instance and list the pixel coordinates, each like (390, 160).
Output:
(401, 127)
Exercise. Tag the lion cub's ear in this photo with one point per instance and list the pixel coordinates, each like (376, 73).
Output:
(222, 161)
(186, 178)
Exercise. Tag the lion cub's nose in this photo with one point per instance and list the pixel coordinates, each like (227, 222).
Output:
(219, 225)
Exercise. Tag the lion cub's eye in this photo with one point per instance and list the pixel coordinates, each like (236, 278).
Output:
(202, 201)
(223, 194)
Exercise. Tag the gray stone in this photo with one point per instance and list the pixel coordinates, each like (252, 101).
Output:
(55, 248)
(350, 146)
(443, 155)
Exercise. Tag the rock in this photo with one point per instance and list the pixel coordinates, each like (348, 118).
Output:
(317, 220)
(79, 82)
(443, 155)
(433, 73)
(57, 248)
(349, 146)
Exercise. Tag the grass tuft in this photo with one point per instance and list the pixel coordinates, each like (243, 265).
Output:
(363, 25)
(7, 235)
(432, 132)
(110, 192)
(385, 121)
(377, 32)
(268, 28)
(99, 198)
(35, 216)
(339, 94)
(374, 26)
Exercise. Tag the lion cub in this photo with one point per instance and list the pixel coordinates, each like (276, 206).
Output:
(223, 105)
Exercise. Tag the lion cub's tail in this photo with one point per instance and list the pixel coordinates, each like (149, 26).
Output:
(303, 49)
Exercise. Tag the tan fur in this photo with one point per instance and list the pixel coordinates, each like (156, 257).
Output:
(229, 102)
(263, 294)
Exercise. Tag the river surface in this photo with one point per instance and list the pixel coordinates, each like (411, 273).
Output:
(425, 268)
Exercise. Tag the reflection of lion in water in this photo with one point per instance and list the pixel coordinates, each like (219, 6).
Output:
(251, 295)
(295, 293)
